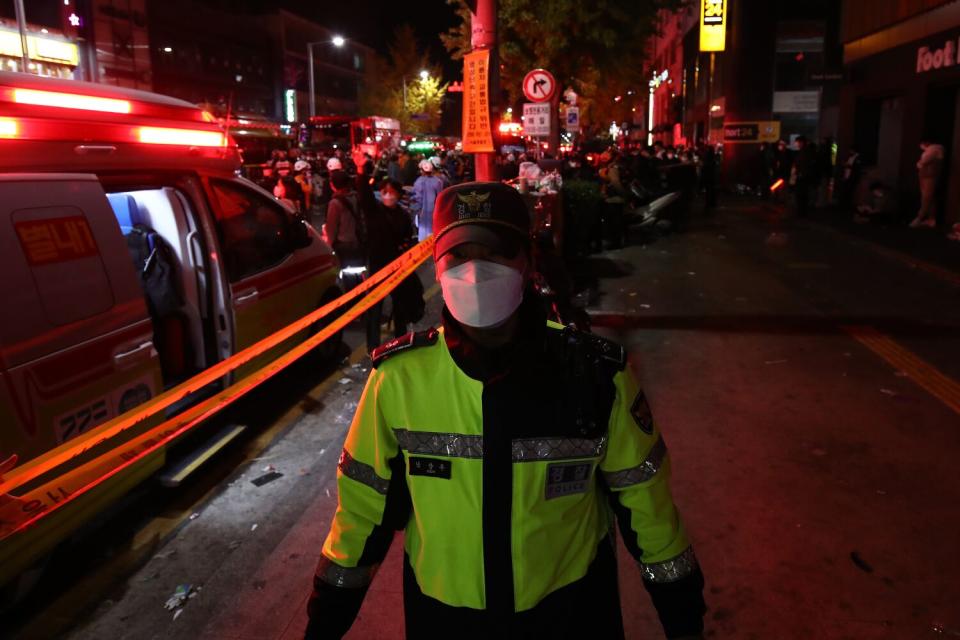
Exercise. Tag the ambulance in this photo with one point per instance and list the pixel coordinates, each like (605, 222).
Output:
(133, 256)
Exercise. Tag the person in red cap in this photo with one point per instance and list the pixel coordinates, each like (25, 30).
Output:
(506, 447)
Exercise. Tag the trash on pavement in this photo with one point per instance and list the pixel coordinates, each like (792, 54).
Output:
(939, 628)
(267, 477)
(254, 527)
(645, 306)
(776, 239)
(180, 595)
(860, 562)
(889, 392)
(784, 361)
(269, 468)
(345, 380)
(194, 515)
(176, 614)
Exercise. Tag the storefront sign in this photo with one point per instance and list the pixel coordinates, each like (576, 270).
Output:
(477, 135)
(290, 105)
(938, 58)
(536, 118)
(713, 25)
(747, 132)
(39, 48)
(796, 101)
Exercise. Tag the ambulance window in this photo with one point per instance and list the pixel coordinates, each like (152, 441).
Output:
(59, 246)
(253, 229)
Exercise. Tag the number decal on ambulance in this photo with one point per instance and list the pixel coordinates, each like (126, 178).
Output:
(56, 240)
(72, 425)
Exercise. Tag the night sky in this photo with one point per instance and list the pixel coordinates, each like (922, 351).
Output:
(370, 21)
(373, 21)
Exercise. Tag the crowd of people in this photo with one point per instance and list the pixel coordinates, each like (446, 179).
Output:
(369, 213)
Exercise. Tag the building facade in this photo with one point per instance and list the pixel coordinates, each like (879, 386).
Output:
(778, 77)
(902, 78)
(52, 43)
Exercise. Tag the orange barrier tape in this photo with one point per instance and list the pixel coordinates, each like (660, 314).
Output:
(35, 468)
(143, 445)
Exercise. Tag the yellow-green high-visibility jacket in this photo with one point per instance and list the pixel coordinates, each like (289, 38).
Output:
(505, 473)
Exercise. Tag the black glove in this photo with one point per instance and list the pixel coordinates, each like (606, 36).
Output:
(332, 610)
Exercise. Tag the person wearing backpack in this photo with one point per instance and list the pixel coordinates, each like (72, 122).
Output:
(345, 229)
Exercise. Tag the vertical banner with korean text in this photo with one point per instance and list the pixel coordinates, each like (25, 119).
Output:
(477, 133)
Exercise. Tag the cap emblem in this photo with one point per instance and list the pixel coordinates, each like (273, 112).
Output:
(473, 205)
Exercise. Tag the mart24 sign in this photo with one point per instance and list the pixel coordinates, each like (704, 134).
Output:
(713, 25)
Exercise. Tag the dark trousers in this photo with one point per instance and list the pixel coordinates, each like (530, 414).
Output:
(373, 319)
(802, 195)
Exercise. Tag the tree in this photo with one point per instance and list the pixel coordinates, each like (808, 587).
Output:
(596, 47)
(393, 86)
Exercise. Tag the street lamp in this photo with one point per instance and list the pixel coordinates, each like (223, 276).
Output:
(424, 76)
(337, 41)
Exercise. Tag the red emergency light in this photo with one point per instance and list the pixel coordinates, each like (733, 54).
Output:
(8, 128)
(185, 137)
(70, 101)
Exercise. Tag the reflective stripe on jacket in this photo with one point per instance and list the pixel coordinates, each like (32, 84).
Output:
(422, 407)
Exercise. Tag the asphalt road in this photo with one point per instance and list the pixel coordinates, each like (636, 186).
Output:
(806, 386)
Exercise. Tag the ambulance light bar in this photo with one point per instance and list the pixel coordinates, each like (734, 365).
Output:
(8, 128)
(185, 137)
(70, 101)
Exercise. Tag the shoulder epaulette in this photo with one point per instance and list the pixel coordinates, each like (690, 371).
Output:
(412, 340)
(611, 351)
(600, 348)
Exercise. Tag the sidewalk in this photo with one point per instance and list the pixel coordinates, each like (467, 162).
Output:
(924, 248)
(929, 245)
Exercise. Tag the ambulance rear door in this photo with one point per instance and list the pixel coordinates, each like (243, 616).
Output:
(76, 340)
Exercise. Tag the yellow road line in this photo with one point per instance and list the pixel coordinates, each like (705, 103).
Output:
(935, 382)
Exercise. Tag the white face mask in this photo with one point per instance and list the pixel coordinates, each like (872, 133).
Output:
(389, 199)
(482, 294)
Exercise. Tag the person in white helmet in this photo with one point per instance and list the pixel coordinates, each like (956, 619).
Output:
(425, 191)
(301, 174)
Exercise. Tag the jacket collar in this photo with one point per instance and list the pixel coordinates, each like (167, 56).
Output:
(486, 365)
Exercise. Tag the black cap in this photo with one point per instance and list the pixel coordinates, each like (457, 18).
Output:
(490, 213)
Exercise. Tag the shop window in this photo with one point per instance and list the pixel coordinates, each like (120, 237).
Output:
(253, 229)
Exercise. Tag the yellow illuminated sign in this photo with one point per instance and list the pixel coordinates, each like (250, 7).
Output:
(713, 25)
(39, 48)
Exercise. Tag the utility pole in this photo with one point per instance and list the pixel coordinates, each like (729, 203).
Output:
(22, 26)
(483, 29)
(313, 93)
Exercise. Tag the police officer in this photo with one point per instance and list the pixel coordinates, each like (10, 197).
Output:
(505, 447)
